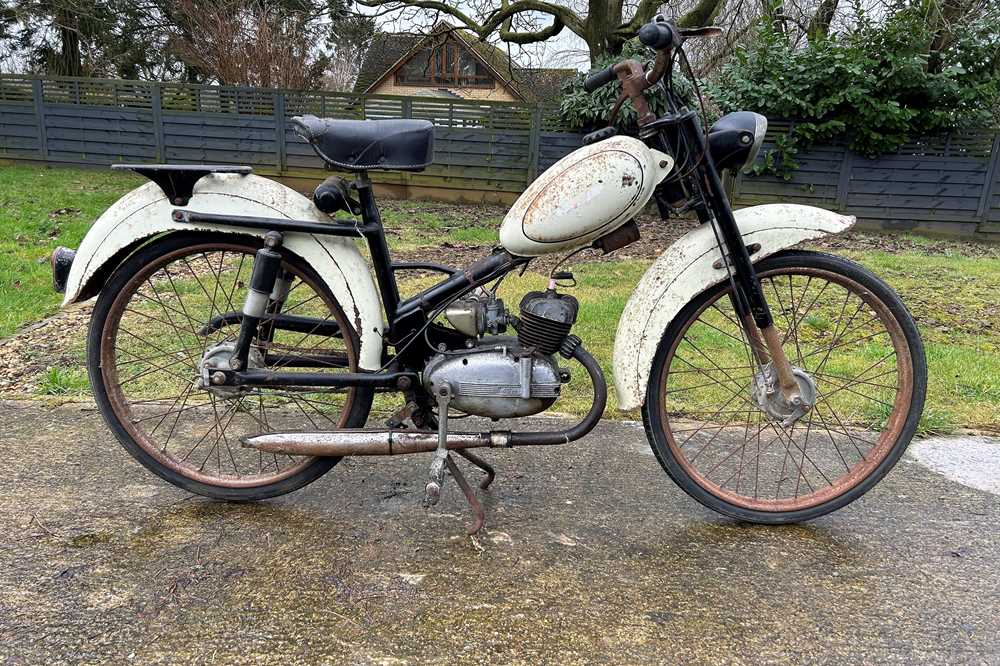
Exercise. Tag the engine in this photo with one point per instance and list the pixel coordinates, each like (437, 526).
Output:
(501, 376)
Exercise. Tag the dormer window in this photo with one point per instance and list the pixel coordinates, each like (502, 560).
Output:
(448, 64)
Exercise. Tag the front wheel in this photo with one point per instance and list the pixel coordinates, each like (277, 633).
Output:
(848, 333)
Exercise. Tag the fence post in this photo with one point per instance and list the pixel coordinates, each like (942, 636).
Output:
(279, 128)
(407, 108)
(534, 139)
(844, 182)
(38, 96)
(156, 100)
(991, 179)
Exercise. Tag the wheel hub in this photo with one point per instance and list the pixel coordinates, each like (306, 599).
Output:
(767, 394)
(217, 358)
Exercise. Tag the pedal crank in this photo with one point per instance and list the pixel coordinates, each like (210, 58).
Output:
(432, 491)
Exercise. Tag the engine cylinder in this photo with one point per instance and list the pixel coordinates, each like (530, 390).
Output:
(546, 319)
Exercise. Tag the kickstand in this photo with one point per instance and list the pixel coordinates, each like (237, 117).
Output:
(477, 508)
(481, 464)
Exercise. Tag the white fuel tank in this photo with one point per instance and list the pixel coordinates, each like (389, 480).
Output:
(585, 195)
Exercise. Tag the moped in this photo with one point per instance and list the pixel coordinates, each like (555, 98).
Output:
(239, 336)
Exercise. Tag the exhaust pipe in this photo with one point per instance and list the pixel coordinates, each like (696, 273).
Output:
(339, 443)
(360, 442)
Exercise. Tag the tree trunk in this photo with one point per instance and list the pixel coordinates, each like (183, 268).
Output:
(701, 14)
(819, 26)
(69, 62)
(603, 18)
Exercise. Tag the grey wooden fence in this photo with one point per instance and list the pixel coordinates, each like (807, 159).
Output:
(483, 150)
(945, 184)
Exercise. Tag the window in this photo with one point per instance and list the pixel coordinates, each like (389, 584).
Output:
(447, 64)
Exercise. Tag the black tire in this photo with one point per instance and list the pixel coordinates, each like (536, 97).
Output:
(655, 417)
(148, 255)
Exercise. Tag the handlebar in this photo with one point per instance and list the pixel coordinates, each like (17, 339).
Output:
(599, 79)
(662, 36)
(658, 35)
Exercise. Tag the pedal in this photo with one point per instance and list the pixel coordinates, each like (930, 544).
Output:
(432, 491)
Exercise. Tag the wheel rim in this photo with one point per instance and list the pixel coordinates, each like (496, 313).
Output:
(851, 345)
(151, 347)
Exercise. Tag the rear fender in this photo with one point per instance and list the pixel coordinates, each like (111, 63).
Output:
(145, 212)
(686, 269)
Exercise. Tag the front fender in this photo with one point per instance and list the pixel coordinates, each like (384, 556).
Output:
(145, 212)
(685, 270)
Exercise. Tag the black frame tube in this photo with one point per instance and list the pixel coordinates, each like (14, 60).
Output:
(334, 228)
(399, 313)
(390, 380)
(282, 322)
(379, 248)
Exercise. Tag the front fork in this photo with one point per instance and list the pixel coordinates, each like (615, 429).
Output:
(753, 311)
(748, 297)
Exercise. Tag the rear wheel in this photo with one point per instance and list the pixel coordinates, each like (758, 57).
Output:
(146, 346)
(848, 332)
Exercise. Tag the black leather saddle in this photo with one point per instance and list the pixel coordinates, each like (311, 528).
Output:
(356, 145)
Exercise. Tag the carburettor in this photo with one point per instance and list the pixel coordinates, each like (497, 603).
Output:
(478, 314)
(501, 376)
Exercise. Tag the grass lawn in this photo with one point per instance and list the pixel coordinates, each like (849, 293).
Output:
(952, 296)
(41, 209)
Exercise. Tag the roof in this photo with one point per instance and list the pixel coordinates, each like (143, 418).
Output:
(544, 83)
(389, 50)
(386, 49)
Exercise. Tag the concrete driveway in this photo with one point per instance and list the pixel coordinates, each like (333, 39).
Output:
(591, 555)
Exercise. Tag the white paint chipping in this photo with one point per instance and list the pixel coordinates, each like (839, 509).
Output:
(585, 195)
(970, 461)
(685, 270)
(145, 212)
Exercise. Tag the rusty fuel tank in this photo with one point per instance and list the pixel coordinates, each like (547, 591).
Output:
(585, 195)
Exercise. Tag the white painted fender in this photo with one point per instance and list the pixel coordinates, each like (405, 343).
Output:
(685, 270)
(145, 212)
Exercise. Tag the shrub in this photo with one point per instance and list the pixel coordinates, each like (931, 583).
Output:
(876, 86)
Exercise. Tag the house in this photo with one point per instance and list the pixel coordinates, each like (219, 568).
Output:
(449, 62)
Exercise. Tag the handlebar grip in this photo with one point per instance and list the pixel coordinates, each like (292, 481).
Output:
(657, 36)
(599, 135)
(600, 79)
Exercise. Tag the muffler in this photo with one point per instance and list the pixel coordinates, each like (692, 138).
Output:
(359, 442)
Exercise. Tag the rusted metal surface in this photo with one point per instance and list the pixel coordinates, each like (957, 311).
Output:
(481, 464)
(339, 443)
(589, 193)
(147, 433)
(789, 387)
(470, 496)
(145, 212)
(633, 78)
(686, 269)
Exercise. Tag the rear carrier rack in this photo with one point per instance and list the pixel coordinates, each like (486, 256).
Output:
(177, 182)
